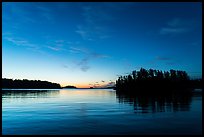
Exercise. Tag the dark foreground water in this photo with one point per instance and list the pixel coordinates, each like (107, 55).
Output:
(99, 111)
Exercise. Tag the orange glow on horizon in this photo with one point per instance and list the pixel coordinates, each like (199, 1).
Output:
(84, 85)
(80, 85)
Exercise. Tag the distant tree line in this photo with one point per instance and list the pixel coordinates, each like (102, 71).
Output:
(69, 86)
(28, 84)
(148, 79)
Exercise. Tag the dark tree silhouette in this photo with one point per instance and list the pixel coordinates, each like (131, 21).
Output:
(151, 74)
(69, 86)
(28, 84)
(134, 75)
(148, 79)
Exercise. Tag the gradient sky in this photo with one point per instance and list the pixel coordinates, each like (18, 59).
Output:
(80, 44)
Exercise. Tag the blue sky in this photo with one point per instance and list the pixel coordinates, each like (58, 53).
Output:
(86, 44)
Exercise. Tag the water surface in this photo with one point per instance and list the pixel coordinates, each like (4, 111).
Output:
(99, 112)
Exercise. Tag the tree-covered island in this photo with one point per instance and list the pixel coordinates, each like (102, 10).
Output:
(155, 80)
(28, 84)
(69, 86)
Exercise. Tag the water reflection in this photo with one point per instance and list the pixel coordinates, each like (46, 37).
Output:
(171, 102)
(29, 93)
(97, 111)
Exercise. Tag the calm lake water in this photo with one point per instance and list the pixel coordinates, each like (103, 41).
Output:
(98, 111)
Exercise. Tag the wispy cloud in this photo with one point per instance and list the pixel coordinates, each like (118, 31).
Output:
(26, 14)
(177, 26)
(196, 43)
(167, 60)
(56, 45)
(118, 6)
(54, 48)
(59, 41)
(65, 66)
(45, 12)
(91, 33)
(163, 58)
(88, 56)
(25, 43)
(21, 42)
(110, 84)
(103, 84)
(84, 62)
(174, 23)
(173, 30)
(85, 68)
(19, 13)
(93, 29)
(78, 50)
(84, 34)
(87, 52)
(97, 55)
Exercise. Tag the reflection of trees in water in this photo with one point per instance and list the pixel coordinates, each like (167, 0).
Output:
(28, 93)
(158, 102)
